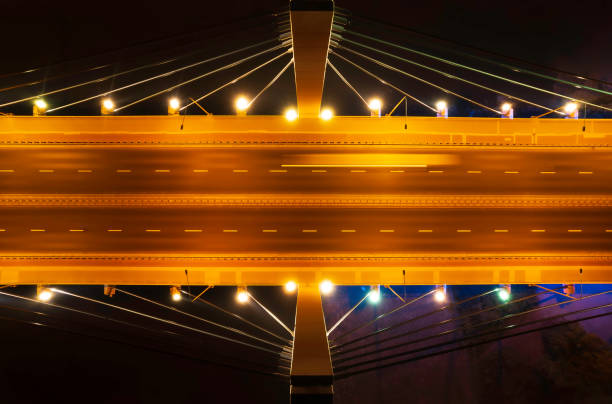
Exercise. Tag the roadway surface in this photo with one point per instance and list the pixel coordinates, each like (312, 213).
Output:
(272, 231)
(299, 170)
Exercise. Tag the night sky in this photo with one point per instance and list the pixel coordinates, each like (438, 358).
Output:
(565, 35)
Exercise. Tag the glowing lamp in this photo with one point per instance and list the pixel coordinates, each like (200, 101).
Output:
(374, 294)
(569, 289)
(504, 292)
(571, 109)
(242, 296)
(440, 294)
(40, 107)
(291, 114)
(290, 287)
(43, 293)
(326, 287)
(173, 106)
(242, 104)
(326, 114)
(108, 106)
(375, 106)
(175, 292)
(507, 110)
(441, 109)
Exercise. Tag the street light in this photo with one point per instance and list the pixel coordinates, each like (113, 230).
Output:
(43, 293)
(440, 294)
(242, 296)
(40, 107)
(571, 109)
(326, 114)
(507, 110)
(326, 287)
(374, 294)
(242, 104)
(173, 106)
(441, 109)
(108, 106)
(175, 292)
(290, 287)
(375, 106)
(504, 292)
(291, 114)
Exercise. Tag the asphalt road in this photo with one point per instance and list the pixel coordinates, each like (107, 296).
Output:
(295, 230)
(376, 170)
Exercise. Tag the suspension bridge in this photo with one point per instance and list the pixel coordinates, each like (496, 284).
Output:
(519, 192)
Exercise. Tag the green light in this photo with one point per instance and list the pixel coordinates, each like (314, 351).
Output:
(503, 294)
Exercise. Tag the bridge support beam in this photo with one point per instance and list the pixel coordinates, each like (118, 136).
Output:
(311, 22)
(311, 368)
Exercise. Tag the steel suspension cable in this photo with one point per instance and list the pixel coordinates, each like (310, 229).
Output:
(443, 322)
(446, 74)
(274, 317)
(166, 75)
(419, 317)
(237, 79)
(110, 76)
(479, 71)
(347, 82)
(153, 349)
(457, 329)
(382, 81)
(163, 320)
(498, 338)
(381, 316)
(348, 313)
(231, 329)
(395, 69)
(514, 68)
(283, 70)
(238, 317)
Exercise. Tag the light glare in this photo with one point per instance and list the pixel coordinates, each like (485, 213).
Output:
(506, 107)
(570, 107)
(290, 287)
(242, 104)
(374, 294)
(375, 104)
(174, 103)
(326, 287)
(242, 296)
(441, 105)
(40, 104)
(327, 114)
(504, 294)
(44, 294)
(175, 292)
(291, 114)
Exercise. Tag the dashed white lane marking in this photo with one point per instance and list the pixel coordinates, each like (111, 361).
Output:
(76, 230)
(511, 172)
(574, 231)
(277, 171)
(46, 171)
(474, 172)
(153, 230)
(114, 230)
(348, 230)
(548, 172)
(359, 171)
(309, 230)
(585, 172)
(268, 230)
(538, 230)
(425, 231)
(193, 230)
(1, 230)
(123, 171)
(319, 171)
(435, 171)
(230, 231)
(7, 171)
(240, 171)
(396, 171)
(162, 171)
(197, 170)
(501, 230)
(608, 230)
(84, 171)
(464, 231)
(38, 230)
(386, 231)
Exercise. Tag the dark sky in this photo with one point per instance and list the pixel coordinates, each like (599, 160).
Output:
(566, 35)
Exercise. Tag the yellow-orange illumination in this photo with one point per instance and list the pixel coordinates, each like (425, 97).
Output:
(326, 287)
(570, 107)
(242, 296)
(441, 105)
(242, 104)
(291, 114)
(175, 292)
(290, 287)
(326, 114)
(506, 107)
(108, 106)
(44, 294)
(173, 105)
(375, 104)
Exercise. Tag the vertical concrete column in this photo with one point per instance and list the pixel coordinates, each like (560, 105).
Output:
(311, 23)
(311, 368)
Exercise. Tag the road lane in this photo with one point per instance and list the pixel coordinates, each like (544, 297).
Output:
(294, 230)
(318, 169)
